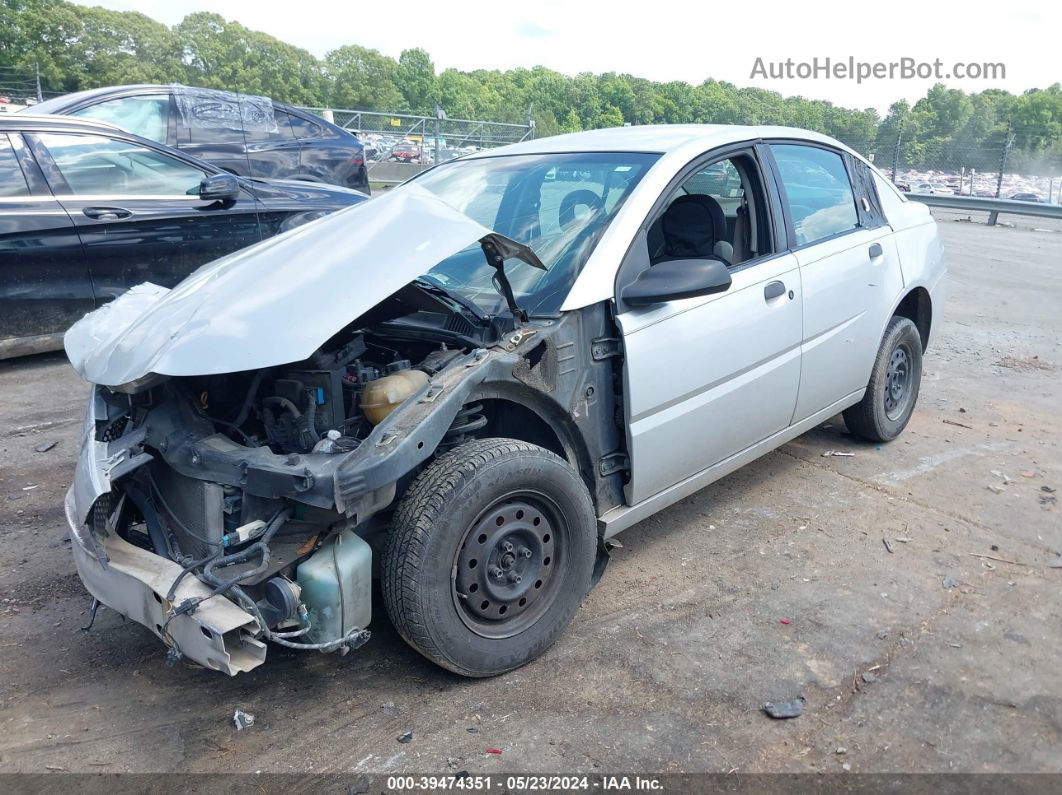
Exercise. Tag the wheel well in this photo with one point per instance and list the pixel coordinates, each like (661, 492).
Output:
(917, 306)
(516, 421)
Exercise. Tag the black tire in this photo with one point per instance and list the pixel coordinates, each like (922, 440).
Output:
(892, 392)
(502, 519)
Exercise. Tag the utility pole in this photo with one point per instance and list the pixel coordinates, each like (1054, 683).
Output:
(440, 114)
(896, 153)
(1003, 159)
(40, 96)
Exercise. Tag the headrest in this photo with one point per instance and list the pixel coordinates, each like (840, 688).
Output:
(692, 225)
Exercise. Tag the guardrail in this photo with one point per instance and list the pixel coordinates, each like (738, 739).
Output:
(390, 173)
(991, 206)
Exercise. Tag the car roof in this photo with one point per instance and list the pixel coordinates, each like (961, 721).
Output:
(656, 138)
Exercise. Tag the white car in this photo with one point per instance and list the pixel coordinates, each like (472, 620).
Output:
(480, 377)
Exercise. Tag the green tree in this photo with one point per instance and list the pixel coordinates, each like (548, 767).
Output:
(415, 77)
(362, 78)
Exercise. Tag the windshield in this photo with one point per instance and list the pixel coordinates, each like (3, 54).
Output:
(556, 204)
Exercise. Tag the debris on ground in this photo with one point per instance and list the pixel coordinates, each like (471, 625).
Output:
(242, 720)
(959, 424)
(1048, 489)
(841, 751)
(837, 453)
(888, 546)
(994, 488)
(869, 677)
(993, 557)
(44, 447)
(405, 737)
(1048, 499)
(452, 763)
(949, 583)
(785, 709)
(495, 751)
(783, 621)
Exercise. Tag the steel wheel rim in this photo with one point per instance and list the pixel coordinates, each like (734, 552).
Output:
(898, 381)
(507, 573)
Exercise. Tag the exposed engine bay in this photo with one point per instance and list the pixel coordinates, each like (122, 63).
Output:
(285, 564)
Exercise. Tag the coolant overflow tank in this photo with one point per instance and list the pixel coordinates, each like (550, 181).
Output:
(382, 396)
(336, 584)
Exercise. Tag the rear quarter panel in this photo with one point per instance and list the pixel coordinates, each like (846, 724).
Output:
(918, 245)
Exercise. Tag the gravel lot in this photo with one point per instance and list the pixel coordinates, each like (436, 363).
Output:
(904, 591)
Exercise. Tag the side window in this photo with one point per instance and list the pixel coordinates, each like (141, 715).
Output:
(12, 180)
(303, 128)
(94, 165)
(818, 191)
(146, 116)
(719, 211)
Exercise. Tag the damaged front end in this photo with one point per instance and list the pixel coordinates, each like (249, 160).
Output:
(220, 511)
(231, 495)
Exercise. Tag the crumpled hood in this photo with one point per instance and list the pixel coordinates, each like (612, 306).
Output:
(275, 302)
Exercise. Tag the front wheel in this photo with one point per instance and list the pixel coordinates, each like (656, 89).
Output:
(490, 553)
(892, 391)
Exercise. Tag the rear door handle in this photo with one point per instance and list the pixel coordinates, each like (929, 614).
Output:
(773, 290)
(875, 250)
(107, 213)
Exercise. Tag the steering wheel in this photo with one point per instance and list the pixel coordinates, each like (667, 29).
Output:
(566, 215)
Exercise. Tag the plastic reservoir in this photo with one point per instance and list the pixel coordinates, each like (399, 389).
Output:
(336, 584)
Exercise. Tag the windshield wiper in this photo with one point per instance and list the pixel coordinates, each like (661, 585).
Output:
(429, 286)
(498, 248)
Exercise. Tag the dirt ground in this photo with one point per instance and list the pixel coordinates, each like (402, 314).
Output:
(905, 592)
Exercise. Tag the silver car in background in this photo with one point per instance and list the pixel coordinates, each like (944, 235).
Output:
(478, 378)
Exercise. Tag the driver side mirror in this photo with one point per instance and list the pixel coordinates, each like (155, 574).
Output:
(219, 188)
(672, 280)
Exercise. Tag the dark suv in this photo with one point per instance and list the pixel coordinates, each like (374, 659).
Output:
(246, 135)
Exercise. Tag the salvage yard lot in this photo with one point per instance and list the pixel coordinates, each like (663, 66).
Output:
(904, 591)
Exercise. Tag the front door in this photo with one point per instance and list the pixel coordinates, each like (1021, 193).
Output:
(138, 212)
(706, 378)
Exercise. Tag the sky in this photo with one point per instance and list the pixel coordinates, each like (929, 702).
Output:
(675, 39)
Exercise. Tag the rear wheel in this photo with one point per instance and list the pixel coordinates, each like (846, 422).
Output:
(490, 554)
(892, 391)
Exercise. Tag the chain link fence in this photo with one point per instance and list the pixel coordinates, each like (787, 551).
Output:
(395, 141)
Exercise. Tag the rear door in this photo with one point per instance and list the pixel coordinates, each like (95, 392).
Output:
(44, 282)
(137, 210)
(848, 265)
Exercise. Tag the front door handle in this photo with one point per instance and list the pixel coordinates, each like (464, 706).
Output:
(875, 250)
(773, 290)
(107, 213)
